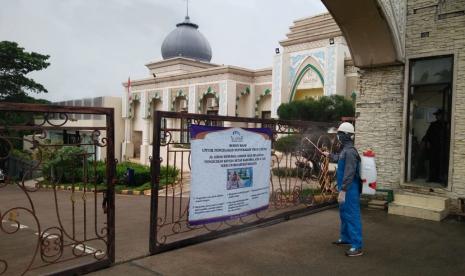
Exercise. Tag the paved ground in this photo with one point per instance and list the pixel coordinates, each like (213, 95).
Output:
(132, 226)
(393, 246)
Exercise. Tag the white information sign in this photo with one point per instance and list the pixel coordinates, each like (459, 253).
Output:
(230, 173)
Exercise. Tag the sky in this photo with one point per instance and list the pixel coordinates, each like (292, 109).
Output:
(95, 45)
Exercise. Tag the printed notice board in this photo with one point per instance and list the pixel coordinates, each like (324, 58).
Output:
(230, 170)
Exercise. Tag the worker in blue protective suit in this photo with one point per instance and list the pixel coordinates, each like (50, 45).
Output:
(349, 187)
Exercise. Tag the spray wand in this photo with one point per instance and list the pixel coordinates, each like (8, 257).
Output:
(310, 141)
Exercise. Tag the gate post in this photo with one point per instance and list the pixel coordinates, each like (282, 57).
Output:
(110, 170)
(155, 181)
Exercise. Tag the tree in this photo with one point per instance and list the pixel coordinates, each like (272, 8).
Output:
(15, 64)
(325, 109)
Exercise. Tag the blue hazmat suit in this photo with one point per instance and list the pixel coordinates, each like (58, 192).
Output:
(348, 179)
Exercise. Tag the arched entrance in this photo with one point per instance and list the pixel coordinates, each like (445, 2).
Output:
(374, 30)
(308, 84)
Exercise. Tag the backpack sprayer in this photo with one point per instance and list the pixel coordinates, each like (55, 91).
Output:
(367, 169)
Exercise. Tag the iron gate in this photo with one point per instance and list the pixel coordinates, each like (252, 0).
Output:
(301, 182)
(57, 210)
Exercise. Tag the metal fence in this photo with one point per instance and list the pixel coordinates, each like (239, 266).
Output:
(57, 215)
(301, 181)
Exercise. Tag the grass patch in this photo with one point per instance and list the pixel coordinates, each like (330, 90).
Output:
(118, 187)
(143, 187)
(309, 192)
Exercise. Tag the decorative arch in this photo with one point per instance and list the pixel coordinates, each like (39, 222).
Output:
(209, 91)
(151, 98)
(179, 94)
(301, 75)
(265, 93)
(133, 98)
(244, 92)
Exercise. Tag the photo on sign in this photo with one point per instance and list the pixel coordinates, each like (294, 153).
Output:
(239, 178)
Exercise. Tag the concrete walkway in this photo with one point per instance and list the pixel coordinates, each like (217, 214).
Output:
(393, 246)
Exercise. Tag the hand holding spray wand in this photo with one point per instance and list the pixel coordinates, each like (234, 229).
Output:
(324, 179)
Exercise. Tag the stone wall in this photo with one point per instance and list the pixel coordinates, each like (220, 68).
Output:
(379, 123)
(433, 28)
(445, 23)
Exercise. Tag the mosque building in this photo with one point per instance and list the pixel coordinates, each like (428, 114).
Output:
(314, 60)
(405, 64)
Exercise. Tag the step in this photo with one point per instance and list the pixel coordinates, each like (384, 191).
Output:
(421, 200)
(435, 214)
(377, 202)
(377, 207)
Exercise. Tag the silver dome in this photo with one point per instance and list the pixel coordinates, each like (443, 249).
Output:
(186, 41)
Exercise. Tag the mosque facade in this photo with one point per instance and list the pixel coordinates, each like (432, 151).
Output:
(313, 61)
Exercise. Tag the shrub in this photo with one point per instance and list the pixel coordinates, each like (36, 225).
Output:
(142, 175)
(20, 154)
(169, 171)
(325, 109)
(309, 191)
(65, 165)
(287, 144)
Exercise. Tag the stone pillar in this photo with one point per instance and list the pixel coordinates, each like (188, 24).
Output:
(380, 123)
(276, 95)
(227, 99)
(251, 102)
(127, 150)
(145, 147)
(223, 94)
(128, 146)
(192, 105)
(166, 99)
(166, 104)
(340, 79)
(231, 97)
(251, 105)
(330, 71)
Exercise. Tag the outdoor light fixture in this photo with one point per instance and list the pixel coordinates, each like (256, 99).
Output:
(424, 34)
(331, 41)
(154, 75)
(276, 50)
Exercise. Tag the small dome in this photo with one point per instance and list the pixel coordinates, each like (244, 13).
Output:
(186, 41)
